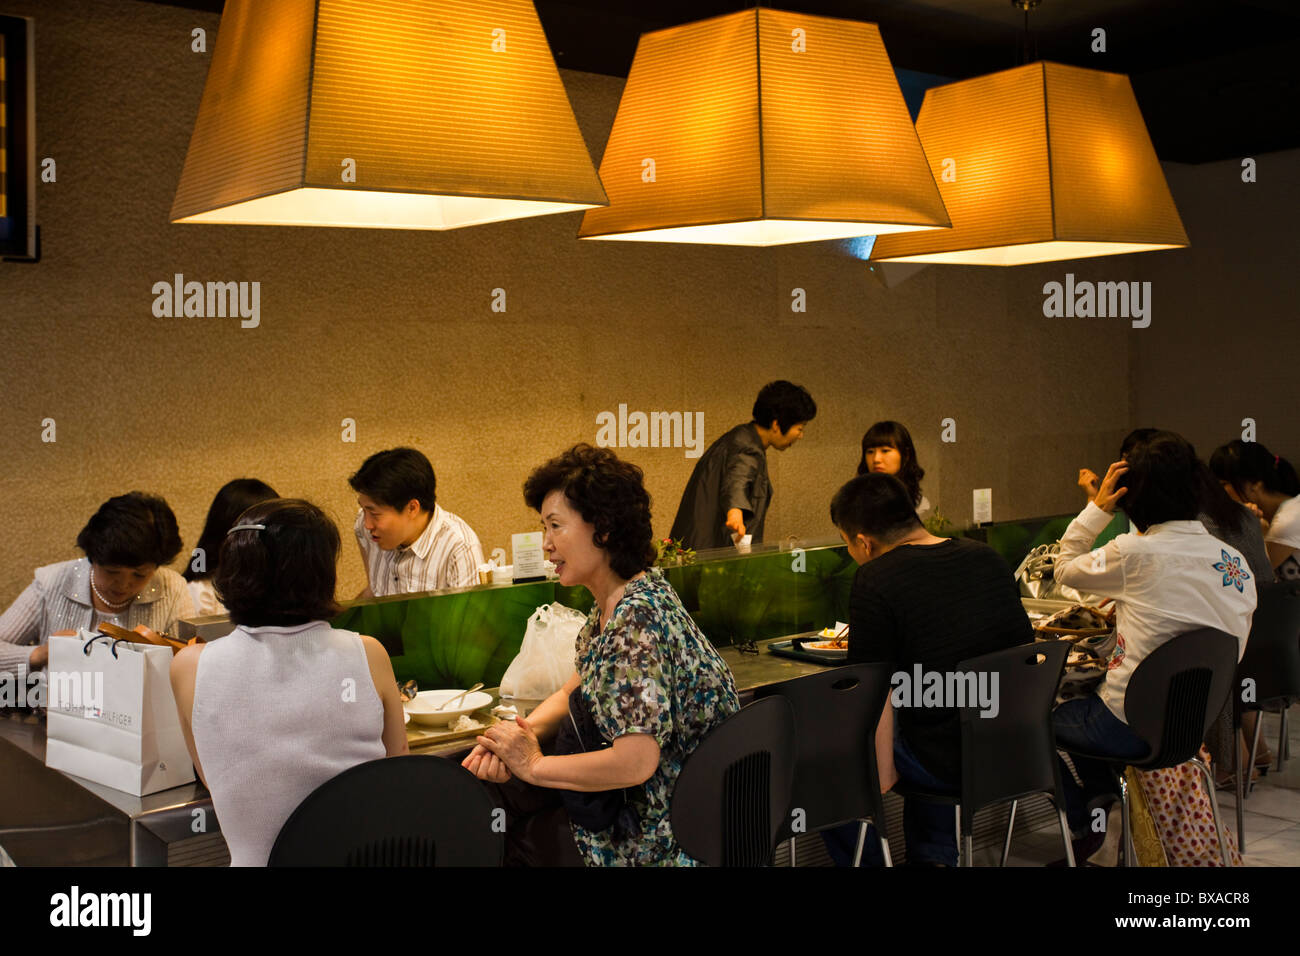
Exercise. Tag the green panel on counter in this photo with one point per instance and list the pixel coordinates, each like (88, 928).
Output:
(458, 638)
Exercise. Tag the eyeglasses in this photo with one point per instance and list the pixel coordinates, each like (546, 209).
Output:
(747, 647)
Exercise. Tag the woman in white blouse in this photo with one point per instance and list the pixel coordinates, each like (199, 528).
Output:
(122, 580)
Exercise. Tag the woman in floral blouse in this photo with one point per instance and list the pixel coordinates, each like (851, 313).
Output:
(647, 679)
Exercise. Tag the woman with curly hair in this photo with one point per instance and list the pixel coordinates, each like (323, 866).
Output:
(647, 687)
(887, 447)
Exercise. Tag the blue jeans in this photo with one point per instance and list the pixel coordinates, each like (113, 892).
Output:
(1087, 724)
(930, 829)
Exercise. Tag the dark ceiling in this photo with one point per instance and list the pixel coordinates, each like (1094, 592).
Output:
(1216, 79)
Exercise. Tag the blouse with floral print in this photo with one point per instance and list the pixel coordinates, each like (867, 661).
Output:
(650, 671)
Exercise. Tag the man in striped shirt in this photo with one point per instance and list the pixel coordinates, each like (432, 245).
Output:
(408, 542)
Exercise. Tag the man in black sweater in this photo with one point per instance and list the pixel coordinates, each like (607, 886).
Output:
(924, 604)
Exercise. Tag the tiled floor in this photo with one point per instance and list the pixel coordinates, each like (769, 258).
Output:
(1272, 815)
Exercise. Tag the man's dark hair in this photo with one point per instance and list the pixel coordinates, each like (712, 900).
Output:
(785, 403)
(609, 494)
(896, 435)
(230, 502)
(131, 530)
(877, 505)
(396, 476)
(283, 574)
(1165, 481)
(1241, 462)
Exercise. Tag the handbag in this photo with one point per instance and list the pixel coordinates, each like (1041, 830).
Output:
(1036, 577)
(603, 809)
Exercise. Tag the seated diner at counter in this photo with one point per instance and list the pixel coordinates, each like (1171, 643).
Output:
(232, 500)
(887, 449)
(122, 580)
(647, 687)
(920, 601)
(266, 710)
(1170, 577)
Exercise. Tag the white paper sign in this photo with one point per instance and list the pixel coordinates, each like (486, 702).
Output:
(527, 551)
(983, 505)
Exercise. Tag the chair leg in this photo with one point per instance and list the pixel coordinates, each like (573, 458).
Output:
(957, 816)
(884, 849)
(1214, 807)
(1065, 835)
(1254, 749)
(1011, 826)
(793, 852)
(862, 839)
(1125, 837)
(1283, 741)
(1241, 810)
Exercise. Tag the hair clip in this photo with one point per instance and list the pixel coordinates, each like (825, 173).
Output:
(246, 527)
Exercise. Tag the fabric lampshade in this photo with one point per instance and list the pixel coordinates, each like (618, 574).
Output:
(761, 128)
(408, 114)
(1040, 163)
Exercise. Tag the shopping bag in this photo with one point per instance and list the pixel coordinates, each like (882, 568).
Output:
(112, 715)
(546, 656)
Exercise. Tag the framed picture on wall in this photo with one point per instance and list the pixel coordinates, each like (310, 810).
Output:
(18, 239)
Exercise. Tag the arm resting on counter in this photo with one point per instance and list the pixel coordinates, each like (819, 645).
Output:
(544, 721)
(19, 625)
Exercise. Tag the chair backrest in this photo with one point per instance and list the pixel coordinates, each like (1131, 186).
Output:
(733, 792)
(1177, 691)
(1008, 750)
(1272, 658)
(836, 778)
(413, 810)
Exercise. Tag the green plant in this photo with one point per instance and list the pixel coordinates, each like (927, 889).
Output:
(937, 524)
(672, 553)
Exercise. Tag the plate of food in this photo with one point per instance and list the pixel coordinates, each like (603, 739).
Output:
(830, 642)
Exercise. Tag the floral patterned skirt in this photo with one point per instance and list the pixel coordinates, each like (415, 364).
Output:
(1181, 819)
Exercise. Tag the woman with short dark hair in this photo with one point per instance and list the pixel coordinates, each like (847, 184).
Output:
(887, 448)
(1255, 476)
(122, 580)
(232, 500)
(284, 702)
(647, 687)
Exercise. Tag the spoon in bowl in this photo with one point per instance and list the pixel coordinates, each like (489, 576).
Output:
(460, 696)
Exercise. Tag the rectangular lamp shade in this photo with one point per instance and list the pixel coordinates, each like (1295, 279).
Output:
(1040, 163)
(760, 128)
(408, 114)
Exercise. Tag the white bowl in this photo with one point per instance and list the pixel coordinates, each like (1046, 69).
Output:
(424, 708)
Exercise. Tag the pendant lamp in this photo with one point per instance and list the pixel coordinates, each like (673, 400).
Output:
(1036, 164)
(761, 128)
(407, 114)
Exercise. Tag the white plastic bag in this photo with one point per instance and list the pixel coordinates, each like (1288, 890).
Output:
(546, 657)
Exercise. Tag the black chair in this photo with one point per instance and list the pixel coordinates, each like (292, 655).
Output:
(733, 792)
(413, 810)
(1012, 754)
(835, 777)
(1272, 662)
(1173, 697)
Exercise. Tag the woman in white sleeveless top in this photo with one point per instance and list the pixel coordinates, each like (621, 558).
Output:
(284, 702)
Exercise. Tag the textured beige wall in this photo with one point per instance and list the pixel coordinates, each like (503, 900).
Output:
(394, 330)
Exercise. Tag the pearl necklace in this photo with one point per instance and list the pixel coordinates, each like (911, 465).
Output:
(107, 603)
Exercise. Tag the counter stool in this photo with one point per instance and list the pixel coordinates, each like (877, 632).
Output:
(1173, 697)
(836, 778)
(1012, 754)
(413, 810)
(733, 791)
